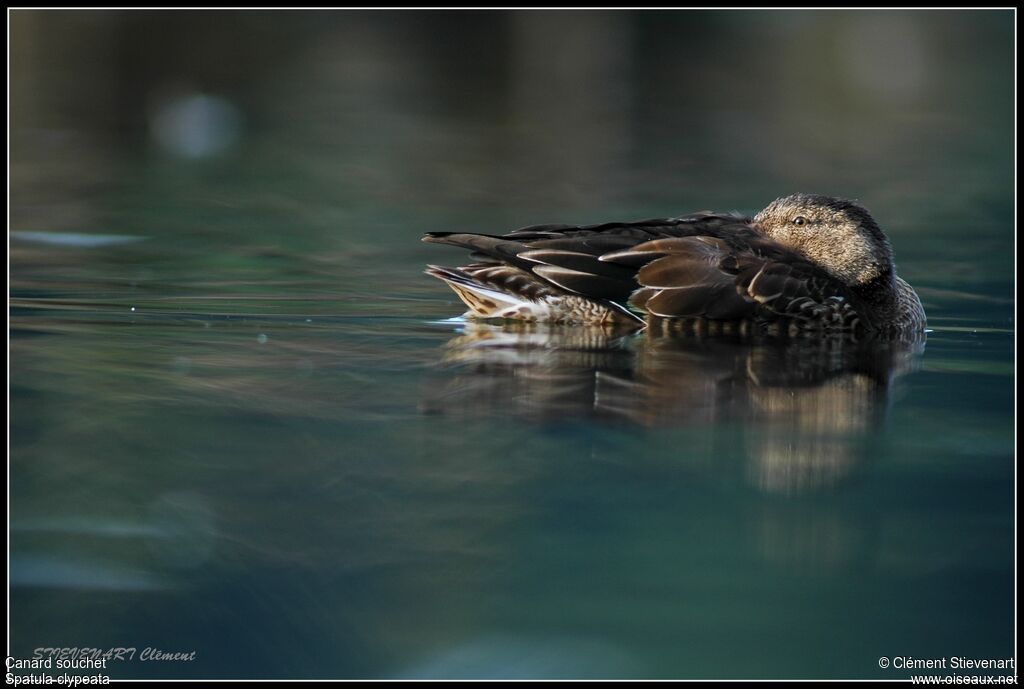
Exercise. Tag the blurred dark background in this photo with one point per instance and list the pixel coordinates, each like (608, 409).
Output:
(242, 425)
(311, 127)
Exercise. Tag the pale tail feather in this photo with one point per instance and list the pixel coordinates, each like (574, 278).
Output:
(486, 302)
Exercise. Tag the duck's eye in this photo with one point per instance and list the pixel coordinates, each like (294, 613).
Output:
(799, 220)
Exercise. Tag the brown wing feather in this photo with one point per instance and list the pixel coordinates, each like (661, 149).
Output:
(690, 281)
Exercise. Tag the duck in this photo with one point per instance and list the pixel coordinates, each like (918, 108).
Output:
(806, 263)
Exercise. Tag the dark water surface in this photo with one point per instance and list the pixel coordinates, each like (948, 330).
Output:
(242, 423)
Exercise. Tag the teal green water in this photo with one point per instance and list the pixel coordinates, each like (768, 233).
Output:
(242, 423)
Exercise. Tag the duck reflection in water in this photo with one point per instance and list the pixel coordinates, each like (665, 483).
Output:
(805, 408)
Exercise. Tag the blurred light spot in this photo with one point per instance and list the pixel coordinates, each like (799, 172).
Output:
(886, 57)
(262, 339)
(76, 239)
(196, 126)
(57, 572)
(86, 526)
(182, 365)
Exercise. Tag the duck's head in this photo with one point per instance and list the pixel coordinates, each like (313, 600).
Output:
(839, 235)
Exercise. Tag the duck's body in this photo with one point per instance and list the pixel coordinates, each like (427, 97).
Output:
(805, 263)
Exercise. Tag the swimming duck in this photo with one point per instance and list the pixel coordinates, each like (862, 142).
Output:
(806, 263)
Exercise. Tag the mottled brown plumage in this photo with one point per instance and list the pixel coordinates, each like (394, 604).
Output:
(805, 263)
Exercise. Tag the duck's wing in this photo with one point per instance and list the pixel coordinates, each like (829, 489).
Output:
(708, 265)
(732, 278)
(569, 257)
